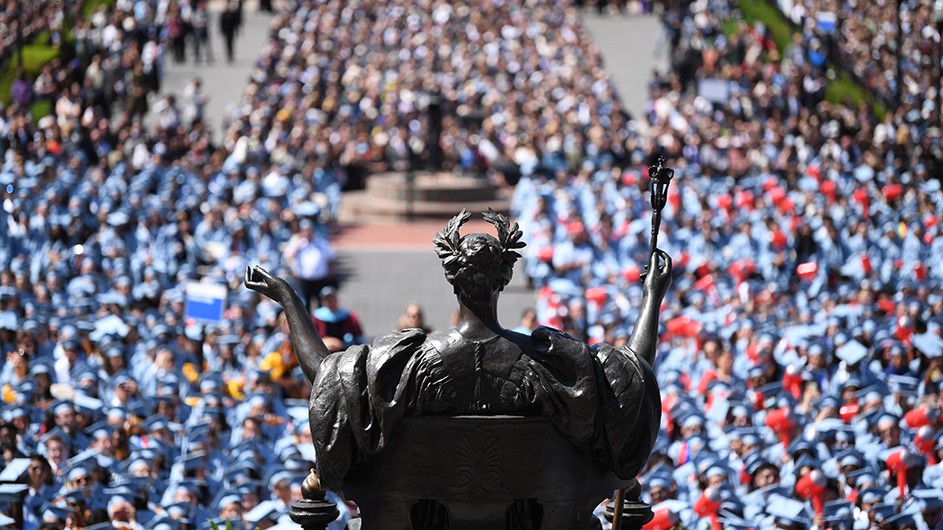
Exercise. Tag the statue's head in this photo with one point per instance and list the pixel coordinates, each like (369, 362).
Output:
(478, 265)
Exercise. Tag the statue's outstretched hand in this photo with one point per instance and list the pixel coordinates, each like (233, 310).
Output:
(305, 340)
(261, 281)
(659, 275)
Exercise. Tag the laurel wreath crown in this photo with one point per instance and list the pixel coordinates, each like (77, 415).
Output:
(509, 237)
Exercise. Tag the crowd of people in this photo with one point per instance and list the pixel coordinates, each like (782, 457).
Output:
(892, 48)
(118, 410)
(407, 84)
(801, 361)
(22, 22)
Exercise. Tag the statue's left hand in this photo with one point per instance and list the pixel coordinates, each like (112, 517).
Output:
(659, 275)
(261, 281)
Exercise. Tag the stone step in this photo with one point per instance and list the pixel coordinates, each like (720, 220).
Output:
(360, 206)
(420, 195)
(434, 187)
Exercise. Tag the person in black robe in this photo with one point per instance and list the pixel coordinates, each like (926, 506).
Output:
(229, 21)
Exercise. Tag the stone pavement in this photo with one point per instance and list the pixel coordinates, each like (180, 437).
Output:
(627, 44)
(383, 267)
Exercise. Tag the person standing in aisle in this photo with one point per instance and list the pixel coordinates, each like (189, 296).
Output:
(200, 21)
(310, 258)
(228, 26)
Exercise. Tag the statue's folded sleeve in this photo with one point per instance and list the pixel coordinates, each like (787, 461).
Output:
(357, 400)
(599, 397)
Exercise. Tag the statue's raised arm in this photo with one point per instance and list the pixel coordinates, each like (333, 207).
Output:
(308, 346)
(644, 337)
(658, 275)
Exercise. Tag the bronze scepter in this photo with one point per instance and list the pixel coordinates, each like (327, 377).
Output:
(660, 179)
(660, 176)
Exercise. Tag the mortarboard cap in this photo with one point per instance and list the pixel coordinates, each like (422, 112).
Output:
(659, 480)
(901, 521)
(14, 470)
(930, 499)
(59, 434)
(117, 219)
(77, 497)
(40, 366)
(299, 465)
(179, 510)
(852, 352)
(807, 460)
(853, 382)
(7, 292)
(114, 352)
(17, 410)
(902, 384)
(52, 513)
(787, 511)
(213, 524)
(886, 418)
(163, 523)
(227, 499)
(76, 472)
(11, 493)
(87, 405)
(756, 462)
(61, 405)
(872, 494)
(265, 510)
(828, 401)
(834, 508)
(306, 210)
(99, 429)
(156, 422)
(109, 326)
(194, 332)
(770, 389)
(849, 458)
(801, 445)
(8, 320)
(229, 339)
(192, 461)
(929, 344)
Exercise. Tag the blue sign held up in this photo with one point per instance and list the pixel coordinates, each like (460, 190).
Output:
(205, 302)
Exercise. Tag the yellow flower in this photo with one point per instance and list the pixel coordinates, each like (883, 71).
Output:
(189, 371)
(235, 388)
(9, 395)
(272, 363)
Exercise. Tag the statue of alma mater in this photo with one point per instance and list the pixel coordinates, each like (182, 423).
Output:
(474, 392)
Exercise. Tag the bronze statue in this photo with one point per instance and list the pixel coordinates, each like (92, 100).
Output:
(602, 400)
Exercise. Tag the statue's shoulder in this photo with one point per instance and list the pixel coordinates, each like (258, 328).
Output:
(399, 339)
(443, 340)
(545, 339)
(542, 332)
(544, 335)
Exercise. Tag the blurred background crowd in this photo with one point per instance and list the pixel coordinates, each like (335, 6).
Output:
(801, 360)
